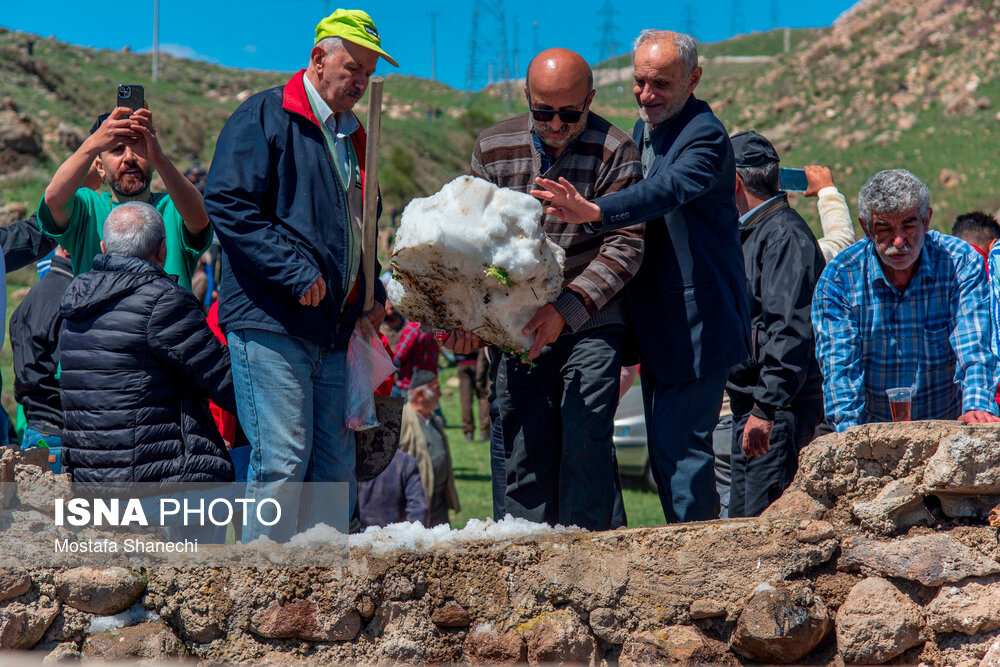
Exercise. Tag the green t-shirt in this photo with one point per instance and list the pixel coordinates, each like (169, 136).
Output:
(82, 238)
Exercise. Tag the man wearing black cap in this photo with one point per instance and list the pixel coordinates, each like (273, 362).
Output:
(776, 395)
(421, 435)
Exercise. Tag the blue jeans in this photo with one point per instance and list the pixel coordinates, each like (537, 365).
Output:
(32, 438)
(680, 419)
(291, 398)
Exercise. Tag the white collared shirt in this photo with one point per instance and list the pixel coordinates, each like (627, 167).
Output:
(341, 125)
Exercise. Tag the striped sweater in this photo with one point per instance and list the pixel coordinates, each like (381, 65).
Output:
(602, 160)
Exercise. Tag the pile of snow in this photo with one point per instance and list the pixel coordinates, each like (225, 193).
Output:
(414, 537)
(474, 256)
(134, 615)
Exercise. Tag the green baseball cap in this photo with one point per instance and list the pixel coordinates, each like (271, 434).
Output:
(355, 26)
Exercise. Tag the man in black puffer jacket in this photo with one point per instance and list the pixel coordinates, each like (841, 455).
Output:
(139, 364)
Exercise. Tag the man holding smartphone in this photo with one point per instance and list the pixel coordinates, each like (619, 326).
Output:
(125, 150)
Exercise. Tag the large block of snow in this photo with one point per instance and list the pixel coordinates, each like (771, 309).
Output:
(474, 256)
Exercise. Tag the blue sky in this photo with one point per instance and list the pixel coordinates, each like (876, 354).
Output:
(277, 34)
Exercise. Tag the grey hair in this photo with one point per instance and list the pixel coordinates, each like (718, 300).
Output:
(893, 191)
(133, 229)
(423, 389)
(686, 47)
(331, 45)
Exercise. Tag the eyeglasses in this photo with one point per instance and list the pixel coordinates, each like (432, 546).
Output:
(568, 116)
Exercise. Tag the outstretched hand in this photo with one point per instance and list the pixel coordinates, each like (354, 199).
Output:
(562, 200)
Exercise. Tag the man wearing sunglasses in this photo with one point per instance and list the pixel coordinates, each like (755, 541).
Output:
(688, 303)
(557, 418)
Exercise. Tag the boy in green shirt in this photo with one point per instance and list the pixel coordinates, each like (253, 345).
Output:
(126, 152)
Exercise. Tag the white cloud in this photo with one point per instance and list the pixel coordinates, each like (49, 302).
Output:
(250, 48)
(184, 51)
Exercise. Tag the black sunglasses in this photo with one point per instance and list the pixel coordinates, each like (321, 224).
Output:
(545, 115)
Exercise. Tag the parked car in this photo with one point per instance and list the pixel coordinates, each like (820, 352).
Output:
(630, 438)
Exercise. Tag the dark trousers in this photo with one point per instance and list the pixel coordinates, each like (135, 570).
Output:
(759, 481)
(498, 472)
(557, 422)
(469, 389)
(680, 419)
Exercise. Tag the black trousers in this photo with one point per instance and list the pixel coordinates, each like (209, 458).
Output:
(759, 481)
(557, 422)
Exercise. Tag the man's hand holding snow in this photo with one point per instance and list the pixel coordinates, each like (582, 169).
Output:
(547, 324)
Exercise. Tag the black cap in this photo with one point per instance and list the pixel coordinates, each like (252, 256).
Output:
(420, 377)
(752, 150)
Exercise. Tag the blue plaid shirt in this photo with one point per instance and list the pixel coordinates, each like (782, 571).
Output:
(934, 337)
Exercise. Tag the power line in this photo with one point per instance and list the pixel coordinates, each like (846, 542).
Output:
(489, 35)
(608, 46)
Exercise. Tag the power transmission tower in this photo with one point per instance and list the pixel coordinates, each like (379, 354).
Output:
(433, 16)
(608, 46)
(689, 23)
(484, 39)
(736, 26)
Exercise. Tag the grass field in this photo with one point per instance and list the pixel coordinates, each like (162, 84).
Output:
(471, 461)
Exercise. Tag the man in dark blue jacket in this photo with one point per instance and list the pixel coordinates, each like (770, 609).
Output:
(285, 196)
(139, 364)
(688, 302)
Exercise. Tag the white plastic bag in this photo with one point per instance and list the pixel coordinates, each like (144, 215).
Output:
(368, 365)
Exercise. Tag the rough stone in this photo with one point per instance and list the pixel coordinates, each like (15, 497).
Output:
(18, 133)
(201, 628)
(676, 644)
(147, 641)
(8, 483)
(302, 619)
(22, 626)
(557, 637)
(62, 652)
(992, 657)
(485, 645)
(779, 626)
(607, 626)
(964, 464)
(451, 615)
(971, 608)
(706, 609)
(932, 560)
(14, 582)
(811, 532)
(39, 488)
(99, 590)
(968, 507)
(795, 504)
(876, 623)
(897, 506)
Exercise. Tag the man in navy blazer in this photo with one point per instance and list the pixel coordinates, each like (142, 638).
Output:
(688, 302)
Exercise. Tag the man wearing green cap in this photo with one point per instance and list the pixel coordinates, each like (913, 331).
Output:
(285, 196)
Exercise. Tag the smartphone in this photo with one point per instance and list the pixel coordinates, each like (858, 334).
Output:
(793, 179)
(130, 95)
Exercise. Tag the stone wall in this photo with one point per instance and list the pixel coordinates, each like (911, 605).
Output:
(879, 551)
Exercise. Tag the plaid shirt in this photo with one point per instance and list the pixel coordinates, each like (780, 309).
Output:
(416, 350)
(934, 337)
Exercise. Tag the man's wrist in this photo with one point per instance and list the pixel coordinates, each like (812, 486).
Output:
(765, 412)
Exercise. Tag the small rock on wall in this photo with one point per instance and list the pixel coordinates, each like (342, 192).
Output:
(876, 623)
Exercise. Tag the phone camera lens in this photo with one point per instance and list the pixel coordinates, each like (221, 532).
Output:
(124, 91)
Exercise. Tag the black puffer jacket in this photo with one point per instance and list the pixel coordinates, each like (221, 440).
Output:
(138, 364)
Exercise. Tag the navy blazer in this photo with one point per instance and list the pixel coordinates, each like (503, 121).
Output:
(688, 302)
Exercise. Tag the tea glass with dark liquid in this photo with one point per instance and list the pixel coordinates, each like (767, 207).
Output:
(899, 403)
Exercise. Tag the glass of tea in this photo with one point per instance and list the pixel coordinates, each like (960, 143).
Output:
(899, 403)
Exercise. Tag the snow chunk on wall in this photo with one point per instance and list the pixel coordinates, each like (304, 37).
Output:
(474, 256)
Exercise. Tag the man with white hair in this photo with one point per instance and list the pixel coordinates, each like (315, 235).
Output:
(904, 307)
(688, 301)
(139, 364)
(285, 196)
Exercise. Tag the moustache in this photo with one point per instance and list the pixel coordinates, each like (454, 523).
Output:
(355, 92)
(892, 251)
(563, 129)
